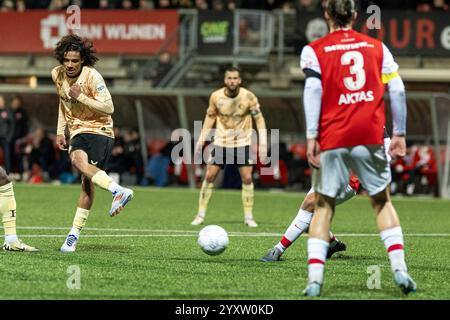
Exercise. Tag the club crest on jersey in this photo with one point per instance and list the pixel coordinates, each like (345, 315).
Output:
(351, 98)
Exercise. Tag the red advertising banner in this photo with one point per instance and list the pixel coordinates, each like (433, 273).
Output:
(112, 31)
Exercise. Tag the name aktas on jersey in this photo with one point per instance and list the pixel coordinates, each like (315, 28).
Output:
(355, 97)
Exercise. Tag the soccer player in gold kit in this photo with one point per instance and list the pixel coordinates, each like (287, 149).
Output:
(85, 109)
(8, 212)
(231, 108)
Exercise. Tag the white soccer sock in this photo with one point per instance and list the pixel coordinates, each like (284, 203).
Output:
(299, 225)
(75, 231)
(113, 187)
(10, 238)
(317, 252)
(201, 214)
(393, 242)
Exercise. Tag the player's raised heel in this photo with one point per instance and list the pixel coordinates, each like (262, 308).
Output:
(272, 255)
(339, 246)
(121, 198)
(18, 246)
(404, 281)
(198, 220)
(312, 289)
(70, 244)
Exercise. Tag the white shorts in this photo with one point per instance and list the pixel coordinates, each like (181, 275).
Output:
(349, 193)
(369, 163)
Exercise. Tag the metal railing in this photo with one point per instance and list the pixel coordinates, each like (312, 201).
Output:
(253, 32)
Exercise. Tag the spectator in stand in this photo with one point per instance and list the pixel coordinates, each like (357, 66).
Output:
(20, 130)
(432, 5)
(6, 133)
(146, 5)
(105, 5)
(423, 173)
(307, 5)
(218, 5)
(59, 4)
(164, 64)
(400, 169)
(163, 4)
(127, 5)
(231, 5)
(158, 165)
(307, 29)
(441, 5)
(201, 5)
(132, 143)
(182, 3)
(7, 5)
(41, 156)
(117, 161)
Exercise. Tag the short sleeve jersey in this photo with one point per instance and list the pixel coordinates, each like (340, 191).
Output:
(81, 118)
(233, 117)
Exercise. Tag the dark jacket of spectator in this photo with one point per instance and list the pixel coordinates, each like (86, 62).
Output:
(20, 118)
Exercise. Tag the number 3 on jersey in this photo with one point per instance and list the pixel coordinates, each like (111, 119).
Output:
(356, 60)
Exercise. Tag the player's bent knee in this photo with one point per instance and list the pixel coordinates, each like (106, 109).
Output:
(308, 202)
(210, 178)
(247, 180)
(79, 163)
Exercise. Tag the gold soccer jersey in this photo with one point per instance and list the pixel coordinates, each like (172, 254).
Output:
(91, 112)
(233, 117)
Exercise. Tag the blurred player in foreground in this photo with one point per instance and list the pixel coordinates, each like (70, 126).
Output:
(8, 212)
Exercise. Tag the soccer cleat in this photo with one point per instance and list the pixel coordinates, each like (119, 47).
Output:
(70, 244)
(312, 289)
(197, 220)
(121, 198)
(404, 281)
(339, 246)
(272, 255)
(18, 245)
(251, 223)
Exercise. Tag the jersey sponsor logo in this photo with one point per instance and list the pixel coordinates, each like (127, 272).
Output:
(100, 88)
(350, 46)
(355, 97)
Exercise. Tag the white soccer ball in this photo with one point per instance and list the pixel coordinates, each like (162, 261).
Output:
(213, 240)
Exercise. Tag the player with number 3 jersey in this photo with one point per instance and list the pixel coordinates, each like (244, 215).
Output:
(346, 73)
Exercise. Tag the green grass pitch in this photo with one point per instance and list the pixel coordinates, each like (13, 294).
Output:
(150, 250)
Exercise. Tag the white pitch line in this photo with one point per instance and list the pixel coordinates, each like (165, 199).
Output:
(104, 229)
(231, 234)
(187, 233)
